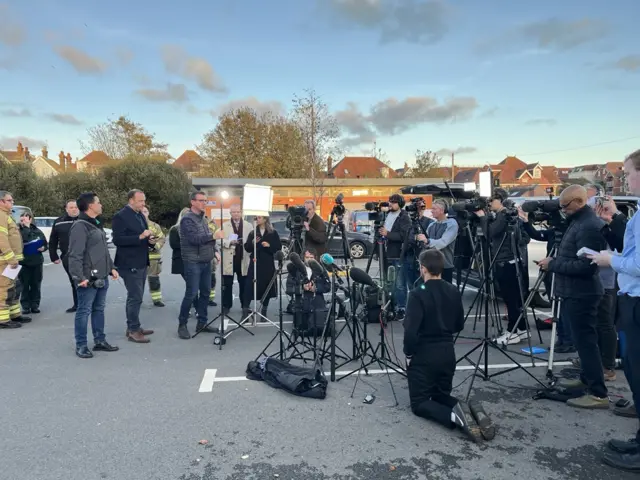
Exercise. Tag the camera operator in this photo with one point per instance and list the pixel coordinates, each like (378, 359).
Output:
(316, 234)
(434, 315)
(396, 228)
(578, 284)
(416, 239)
(505, 271)
(442, 235)
(313, 308)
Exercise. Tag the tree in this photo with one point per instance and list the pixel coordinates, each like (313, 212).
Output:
(320, 134)
(123, 139)
(425, 162)
(246, 144)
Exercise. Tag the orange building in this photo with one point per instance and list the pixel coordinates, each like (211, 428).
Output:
(294, 191)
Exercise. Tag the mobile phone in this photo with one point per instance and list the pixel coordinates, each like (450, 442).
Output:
(536, 262)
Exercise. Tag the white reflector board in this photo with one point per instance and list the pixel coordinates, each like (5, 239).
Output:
(257, 200)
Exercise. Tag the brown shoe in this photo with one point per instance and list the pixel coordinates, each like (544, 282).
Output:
(138, 337)
(142, 330)
(609, 375)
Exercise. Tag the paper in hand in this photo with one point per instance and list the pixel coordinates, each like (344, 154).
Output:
(11, 273)
(584, 252)
(233, 237)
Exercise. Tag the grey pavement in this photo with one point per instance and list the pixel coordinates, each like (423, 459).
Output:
(139, 414)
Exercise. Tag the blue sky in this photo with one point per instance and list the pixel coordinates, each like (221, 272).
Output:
(548, 81)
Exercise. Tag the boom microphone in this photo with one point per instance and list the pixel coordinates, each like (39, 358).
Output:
(360, 276)
(328, 260)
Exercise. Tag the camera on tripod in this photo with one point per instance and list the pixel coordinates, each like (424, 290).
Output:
(415, 206)
(377, 211)
(548, 211)
(296, 218)
(338, 208)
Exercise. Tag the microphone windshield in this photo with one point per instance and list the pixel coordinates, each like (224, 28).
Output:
(297, 261)
(326, 259)
(316, 268)
(291, 268)
(279, 256)
(360, 276)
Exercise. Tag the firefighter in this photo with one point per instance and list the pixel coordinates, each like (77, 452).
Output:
(10, 256)
(155, 260)
(214, 265)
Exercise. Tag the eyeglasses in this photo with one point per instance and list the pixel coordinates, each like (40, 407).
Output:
(567, 204)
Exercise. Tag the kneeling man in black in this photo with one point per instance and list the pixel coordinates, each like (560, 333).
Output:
(434, 314)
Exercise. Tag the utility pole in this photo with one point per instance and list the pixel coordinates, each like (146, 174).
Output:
(453, 166)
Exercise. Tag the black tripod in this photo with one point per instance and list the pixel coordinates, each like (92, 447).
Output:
(486, 341)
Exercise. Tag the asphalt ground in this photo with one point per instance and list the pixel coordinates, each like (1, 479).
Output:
(141, 413)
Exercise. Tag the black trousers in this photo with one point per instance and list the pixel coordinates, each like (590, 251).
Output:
(629, 323)
(447, 275)
(65, 265)
(507, 280)
(227, 284)
(430, 377)
(582, 314)
(31, 279)
(607, 336)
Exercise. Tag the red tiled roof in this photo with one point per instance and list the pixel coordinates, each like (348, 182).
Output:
(189, 161)
(361, 167)
(96, 158)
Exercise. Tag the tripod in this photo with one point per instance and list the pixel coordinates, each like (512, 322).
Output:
(486, 342)
(253, 313)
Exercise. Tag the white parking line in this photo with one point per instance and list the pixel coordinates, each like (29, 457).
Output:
(210, 378)
(207, 380)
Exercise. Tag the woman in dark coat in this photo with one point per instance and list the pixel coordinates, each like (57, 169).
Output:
(267, 244)
(30, 275)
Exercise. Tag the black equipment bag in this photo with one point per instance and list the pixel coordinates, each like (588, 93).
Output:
(559, 394)
(301, 381)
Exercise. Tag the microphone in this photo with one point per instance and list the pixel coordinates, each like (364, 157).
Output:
(291, 269)
(360, 276)
(317, 268)
(279, 257)
(295, 259)
(328, 260)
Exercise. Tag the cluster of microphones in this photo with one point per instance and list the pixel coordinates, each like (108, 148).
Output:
(326, 264)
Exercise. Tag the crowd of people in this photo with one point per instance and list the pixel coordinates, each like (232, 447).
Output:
(596, 271)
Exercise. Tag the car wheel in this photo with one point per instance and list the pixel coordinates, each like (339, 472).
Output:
(357, 250)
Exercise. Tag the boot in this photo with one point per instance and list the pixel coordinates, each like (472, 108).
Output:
(183, 332)
(138, 337)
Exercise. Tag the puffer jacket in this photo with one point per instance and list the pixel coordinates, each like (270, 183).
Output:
(196, 239)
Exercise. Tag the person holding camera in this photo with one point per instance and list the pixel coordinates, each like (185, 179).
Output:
(579, 285)
(310, 311)
(316, 233)
(133, 238)
(504, 262)
(90, 265)
(395, 230)
(416, 240)
(441, 235)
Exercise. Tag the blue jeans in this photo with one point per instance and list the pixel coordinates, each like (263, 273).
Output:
(197, 277)
(405, 277)
(91, 302)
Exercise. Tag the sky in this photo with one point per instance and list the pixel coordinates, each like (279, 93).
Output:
(550, 82)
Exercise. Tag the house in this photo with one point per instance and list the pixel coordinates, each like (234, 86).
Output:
(92, 162)
(44, 166)
(189, 161)
(513, 173)
(359, 167)
(563, 174)
(611, 175)
(20, 154)
(586, 172)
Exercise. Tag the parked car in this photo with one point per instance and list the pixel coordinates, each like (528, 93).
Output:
(18, 210)
(46, 223)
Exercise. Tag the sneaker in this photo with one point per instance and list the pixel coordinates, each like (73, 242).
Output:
(523, 334)
(590, 402)
(462, 418)
(508, 339)
(572, 384)
(629, 411)
(609, 375)
(624, 446)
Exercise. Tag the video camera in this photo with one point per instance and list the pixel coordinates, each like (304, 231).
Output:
(338, 208)
(296, 218)
(377, 211)
(414, 207)
(472, 205)
(545, 211)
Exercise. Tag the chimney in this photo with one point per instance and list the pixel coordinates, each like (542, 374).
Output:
(329, 164)
(68, 162)
(45, 152)
(20, 149)
(27, 154)
(62, 160)
(406, 166)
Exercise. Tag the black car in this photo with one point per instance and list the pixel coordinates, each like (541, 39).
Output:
(360, 244)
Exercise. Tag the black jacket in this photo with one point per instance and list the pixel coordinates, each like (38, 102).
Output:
(196, 239)
(59, 238)
(412, 247)
(614, 232)
(88, 250)
(397, 235)
(30, 234)
(578, 277)
(127, 226)
(434, 315)
(316, 237)
(497, 229)
(177, 267)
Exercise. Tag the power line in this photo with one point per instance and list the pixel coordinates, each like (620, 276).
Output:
(580, 148)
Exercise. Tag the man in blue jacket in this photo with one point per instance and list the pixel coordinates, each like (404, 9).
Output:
(132, 237)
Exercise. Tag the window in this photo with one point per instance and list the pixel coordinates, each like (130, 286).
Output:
(537, 173)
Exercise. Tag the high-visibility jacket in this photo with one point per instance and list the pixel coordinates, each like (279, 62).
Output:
(10, 240)
(154, 253)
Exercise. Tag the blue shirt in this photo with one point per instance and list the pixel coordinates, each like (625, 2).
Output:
(628, 264)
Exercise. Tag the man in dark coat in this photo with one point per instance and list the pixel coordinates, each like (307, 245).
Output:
(132, 237)
(59, 240)
(316, 232)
